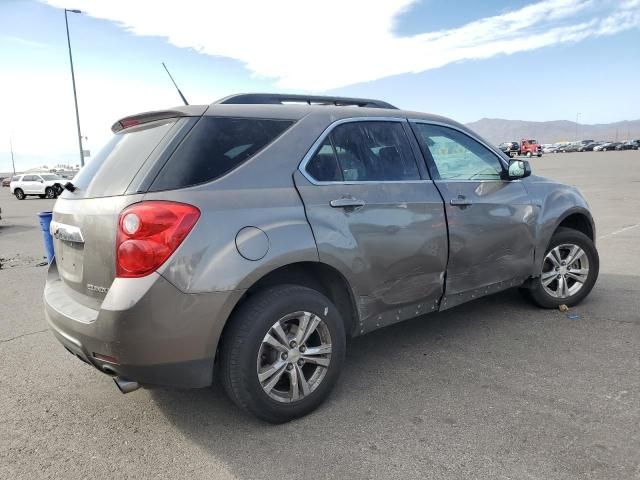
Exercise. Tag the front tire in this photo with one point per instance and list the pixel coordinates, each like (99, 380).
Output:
(569, 271)
(282, 353)
(529, 154)
(19, 194)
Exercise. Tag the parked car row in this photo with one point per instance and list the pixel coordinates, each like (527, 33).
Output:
(591, 146)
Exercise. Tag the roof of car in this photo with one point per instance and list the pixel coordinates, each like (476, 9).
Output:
(295, 112)
(289, 107)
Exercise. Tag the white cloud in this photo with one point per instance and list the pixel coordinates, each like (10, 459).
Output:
(318, 45)
(40, 117)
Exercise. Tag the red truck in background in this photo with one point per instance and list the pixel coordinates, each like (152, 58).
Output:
(530, 148)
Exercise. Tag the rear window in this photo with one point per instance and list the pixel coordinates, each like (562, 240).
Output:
(215, 146)
(111, 171)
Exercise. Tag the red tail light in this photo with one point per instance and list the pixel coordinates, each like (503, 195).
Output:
(148, 233)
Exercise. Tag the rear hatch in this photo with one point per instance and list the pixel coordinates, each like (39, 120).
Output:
(85, 220)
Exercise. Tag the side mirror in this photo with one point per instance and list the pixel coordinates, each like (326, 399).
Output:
(519, 169)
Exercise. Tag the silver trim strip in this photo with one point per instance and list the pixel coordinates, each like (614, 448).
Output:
(327, 131)
(66, 233)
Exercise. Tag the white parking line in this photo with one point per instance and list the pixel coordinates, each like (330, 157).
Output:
(631, 227)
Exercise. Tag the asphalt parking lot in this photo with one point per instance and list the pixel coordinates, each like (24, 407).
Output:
(492, 389)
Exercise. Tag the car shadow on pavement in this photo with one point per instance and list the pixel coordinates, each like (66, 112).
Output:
(435, 385)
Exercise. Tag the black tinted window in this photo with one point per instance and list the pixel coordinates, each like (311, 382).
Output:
(374, 151)
(216, 146)
(324, 167)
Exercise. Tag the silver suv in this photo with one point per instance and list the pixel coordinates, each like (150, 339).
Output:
(253, 236)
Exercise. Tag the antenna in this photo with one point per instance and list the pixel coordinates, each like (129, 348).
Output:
(175, 85)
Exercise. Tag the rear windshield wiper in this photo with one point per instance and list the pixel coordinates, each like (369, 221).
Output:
(69, 186)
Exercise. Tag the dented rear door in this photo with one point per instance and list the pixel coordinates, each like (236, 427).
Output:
(385, 232)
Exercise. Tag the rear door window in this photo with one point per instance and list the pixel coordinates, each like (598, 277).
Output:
(214, 147)
(365, 152)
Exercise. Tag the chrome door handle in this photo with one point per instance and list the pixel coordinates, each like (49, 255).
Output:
(347, 203)
(461, 201)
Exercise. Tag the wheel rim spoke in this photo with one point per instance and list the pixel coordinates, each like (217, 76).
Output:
(311, 327)
(319, 350)
(294, 390)
(275, 343)
(563, 287)
(282, 336)
(302, 327)
(548, 277)
(302, 381)
(575, 255)
(323, 362)
(579, 275)
(268, 386)
(555, 257)
(271, 370)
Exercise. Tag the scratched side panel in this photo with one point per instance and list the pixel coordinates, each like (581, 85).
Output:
(491, 241)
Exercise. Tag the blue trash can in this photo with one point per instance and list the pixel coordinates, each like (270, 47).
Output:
(45, 221)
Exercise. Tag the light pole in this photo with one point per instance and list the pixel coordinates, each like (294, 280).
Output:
(13, 162)
(577, 115)
(73, 82)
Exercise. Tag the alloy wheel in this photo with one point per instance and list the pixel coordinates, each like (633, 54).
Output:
(565, 270)
(294, 357)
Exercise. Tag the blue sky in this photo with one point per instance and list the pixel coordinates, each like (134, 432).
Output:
(521, 59)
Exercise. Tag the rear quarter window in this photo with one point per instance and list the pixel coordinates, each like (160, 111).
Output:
(215, 146)
(115, 166)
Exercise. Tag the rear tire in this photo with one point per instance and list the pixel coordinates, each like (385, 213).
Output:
(19, 194)
(587, 264)
(49, 193)
(251, 347)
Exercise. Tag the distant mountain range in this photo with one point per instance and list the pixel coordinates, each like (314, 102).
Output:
(498, 130)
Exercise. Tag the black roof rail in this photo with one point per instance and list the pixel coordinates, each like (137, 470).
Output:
(278, 99)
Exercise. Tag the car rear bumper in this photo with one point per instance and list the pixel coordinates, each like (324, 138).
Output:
(146, 330)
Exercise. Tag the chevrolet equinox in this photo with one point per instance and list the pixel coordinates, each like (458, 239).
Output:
(253, 236)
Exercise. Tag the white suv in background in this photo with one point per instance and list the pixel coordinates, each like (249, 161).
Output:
(45, 185)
